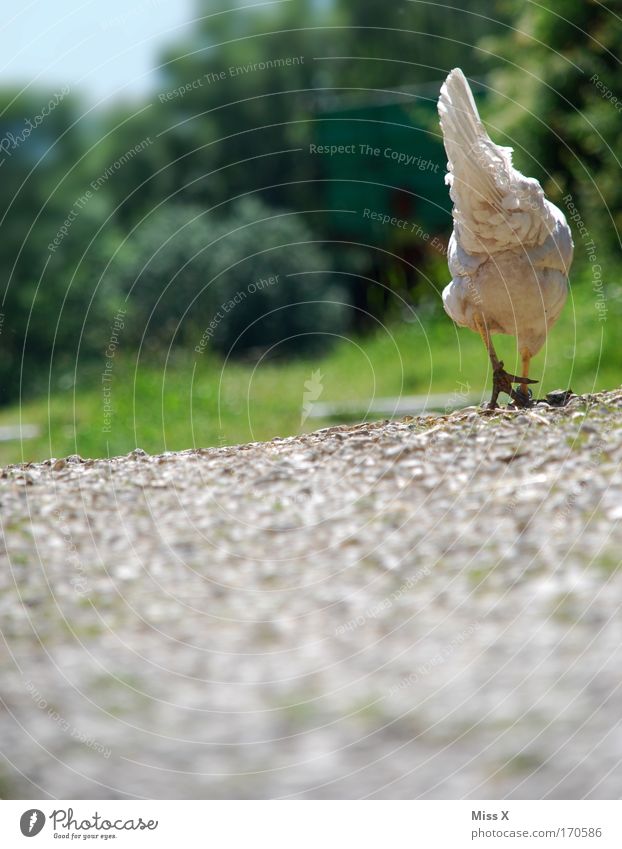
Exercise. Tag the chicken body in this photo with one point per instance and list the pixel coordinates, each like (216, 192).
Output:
(510, 250)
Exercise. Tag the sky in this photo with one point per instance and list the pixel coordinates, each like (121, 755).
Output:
(103, 48)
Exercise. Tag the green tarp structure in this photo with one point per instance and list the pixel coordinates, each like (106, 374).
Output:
(383, 162)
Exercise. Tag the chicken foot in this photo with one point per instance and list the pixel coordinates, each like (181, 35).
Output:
(501, 380)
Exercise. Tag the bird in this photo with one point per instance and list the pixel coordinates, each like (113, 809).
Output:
(511, 249)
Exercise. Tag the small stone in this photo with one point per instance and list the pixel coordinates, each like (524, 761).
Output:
(559, 397)
(394, 451)
(59, 465)
(25, 479)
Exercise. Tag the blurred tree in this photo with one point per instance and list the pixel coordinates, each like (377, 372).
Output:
(559, 103)
(46, 224)
(414, 43)
(236, 100)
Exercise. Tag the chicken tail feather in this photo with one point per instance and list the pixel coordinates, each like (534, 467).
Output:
(473, 157)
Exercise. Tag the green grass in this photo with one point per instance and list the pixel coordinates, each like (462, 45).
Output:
(197, 400)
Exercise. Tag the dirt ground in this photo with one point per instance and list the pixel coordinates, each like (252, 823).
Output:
(415, 608)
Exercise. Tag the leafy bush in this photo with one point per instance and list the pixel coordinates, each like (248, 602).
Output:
(253, 278)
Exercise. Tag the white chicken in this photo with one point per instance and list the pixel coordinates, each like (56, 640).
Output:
(510, 250)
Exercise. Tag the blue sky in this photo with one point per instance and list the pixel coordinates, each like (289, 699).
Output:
(104, 48)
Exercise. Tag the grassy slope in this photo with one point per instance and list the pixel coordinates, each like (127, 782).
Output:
(197, 401)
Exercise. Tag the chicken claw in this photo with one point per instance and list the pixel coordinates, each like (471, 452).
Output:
(502, 382)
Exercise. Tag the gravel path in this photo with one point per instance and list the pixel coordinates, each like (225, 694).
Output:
(414, 608)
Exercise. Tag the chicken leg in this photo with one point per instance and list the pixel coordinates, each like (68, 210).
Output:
(524, 392)
(501, 380)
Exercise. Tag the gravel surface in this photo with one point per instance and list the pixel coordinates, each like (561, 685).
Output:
(416, 608)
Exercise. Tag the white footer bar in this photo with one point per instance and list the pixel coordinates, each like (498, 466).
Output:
(312, 824)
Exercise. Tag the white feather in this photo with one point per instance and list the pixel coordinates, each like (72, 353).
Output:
(511, 249)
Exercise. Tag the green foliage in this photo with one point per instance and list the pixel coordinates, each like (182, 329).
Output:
(46, 226)
(251, 278)
(426, 40)
(556, 85)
